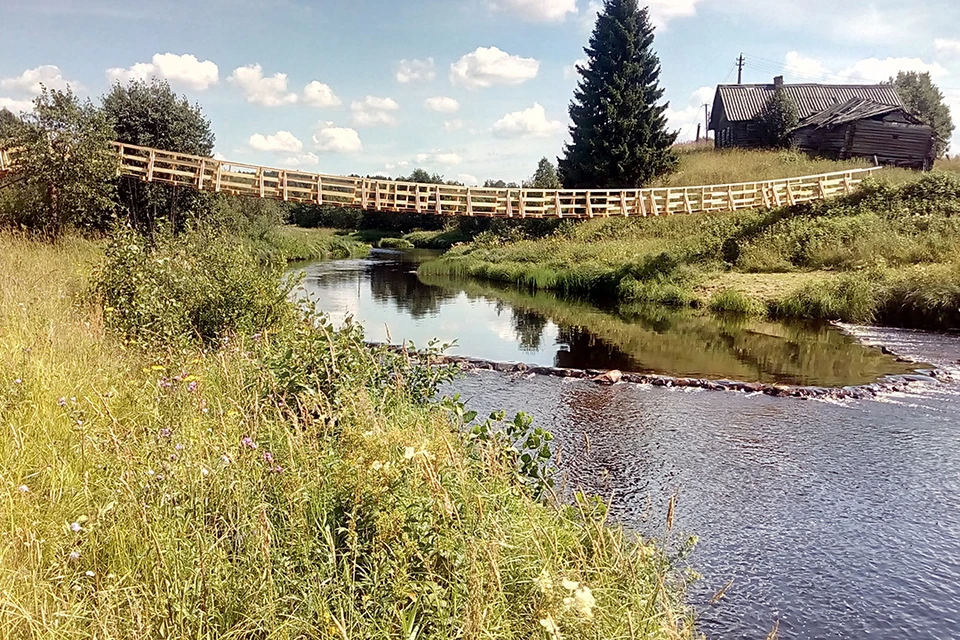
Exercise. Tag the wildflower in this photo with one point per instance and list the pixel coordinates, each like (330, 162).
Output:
(23, 489)
(376, 466)
(192, 386)
(164, 383)
(409, 452)
(204, 471)
(582, 602)
(174, 457)
(179, 446)
(545, 582)
(149, 472)
(248, 442)
(569, 585)
(165, 432)
(62, 402)
(18, 381)
(89, 574)
(277, 469)
(225, 459)
(550, 626)
(268, 457)
(74, 556)
(368, 434)
(75, 527)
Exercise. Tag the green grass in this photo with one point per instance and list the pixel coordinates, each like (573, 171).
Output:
(289, 483)
(295, 244)
(892, 231)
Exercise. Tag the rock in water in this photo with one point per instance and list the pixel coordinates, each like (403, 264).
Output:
(609, 377)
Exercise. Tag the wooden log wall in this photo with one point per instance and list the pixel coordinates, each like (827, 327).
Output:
(223, 176)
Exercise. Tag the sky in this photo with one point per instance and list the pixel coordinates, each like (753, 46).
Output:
(471, 89)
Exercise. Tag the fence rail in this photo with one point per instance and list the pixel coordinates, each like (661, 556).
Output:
(224, 176)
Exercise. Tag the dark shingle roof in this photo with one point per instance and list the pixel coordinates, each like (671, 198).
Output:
(743, 102)
(850, 111)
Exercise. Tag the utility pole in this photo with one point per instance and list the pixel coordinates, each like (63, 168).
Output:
(740, 69)
(706, 120)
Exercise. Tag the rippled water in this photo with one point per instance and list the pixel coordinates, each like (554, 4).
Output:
(838, 519)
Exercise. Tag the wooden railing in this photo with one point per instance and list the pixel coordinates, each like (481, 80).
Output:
(223, 176)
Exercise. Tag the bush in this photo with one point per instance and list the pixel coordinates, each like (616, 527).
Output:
(394, 243)
(850, 298)
(199, 286)
(734, 302)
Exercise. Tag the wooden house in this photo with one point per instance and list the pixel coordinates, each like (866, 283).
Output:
(861, 127)
(737, 107)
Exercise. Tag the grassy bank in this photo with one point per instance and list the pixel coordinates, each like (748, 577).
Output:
(294, 244)
(887, 254)
(267, 477)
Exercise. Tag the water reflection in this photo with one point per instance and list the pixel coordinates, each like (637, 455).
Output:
(504, 324)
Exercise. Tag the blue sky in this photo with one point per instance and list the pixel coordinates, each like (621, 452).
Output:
(473, 89)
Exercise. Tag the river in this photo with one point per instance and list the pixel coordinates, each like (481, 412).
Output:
(835, 518)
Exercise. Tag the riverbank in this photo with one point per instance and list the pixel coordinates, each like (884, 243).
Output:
(886, 254)
(256, 474)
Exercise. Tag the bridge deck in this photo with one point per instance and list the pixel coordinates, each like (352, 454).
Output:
(223, 176)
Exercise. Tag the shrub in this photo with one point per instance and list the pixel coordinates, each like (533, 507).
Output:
(734, 302)
(394, 243)
(850, 298)
(199, 286)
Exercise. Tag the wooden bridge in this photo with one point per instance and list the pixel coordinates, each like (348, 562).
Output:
(237, 178)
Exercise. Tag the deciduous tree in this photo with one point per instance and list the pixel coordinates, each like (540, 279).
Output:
(925, 100)
(619, 131)
(545, 177)
(778, 118)
(66, 162)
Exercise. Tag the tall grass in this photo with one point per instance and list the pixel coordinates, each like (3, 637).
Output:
(279, 484)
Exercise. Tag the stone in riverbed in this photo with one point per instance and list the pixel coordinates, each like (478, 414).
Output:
(609, 377)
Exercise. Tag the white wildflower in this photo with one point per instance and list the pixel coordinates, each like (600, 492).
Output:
(376, 466)
(23, 489)
(204, 471)
(74, 556)
(409, 452)
(75, 527)
(545, 582)
(550, 626)
(89, 574)
(570, 585)
(581, 602)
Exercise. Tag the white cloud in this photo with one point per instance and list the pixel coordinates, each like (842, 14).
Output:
(570, 70)
(415, 71)
(373, 111)
(185, 70)
(282, 141)
(876, 70)
(467, 179)
(530, 122)
(488, 66)
(947, 47)
(269, 92)
(805, 69)
(452, 125)
(317, 94)
(337, 139)
(16, 106)
(441, 104)
(219, 156)
(301, 160)
(685, 120)
(536, 10)
(447, 158)
(30, 81)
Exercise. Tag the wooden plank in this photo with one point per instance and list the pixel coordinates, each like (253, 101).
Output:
(319, 190)
(376, 195)
(153, 157)
(469, 203)
(558, 204)
(623, 204)
(686, 202)
(641, 204)
(509, 205)
(439, 206)
(653, 202)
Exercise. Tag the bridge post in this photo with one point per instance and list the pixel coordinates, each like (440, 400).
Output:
(439, 206)
(203, 168)
(419, 203)
(376, 195)
(469, 202)
(283, 182)
(153, 158)
(319, 190)
(509, 205)
(556, 197)
(216, 186)
(523, 209)
(641, 205)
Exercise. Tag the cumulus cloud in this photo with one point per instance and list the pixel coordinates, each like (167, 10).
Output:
(267, 91)
(686, 119)
(532, 122)
(947, 47)
(452, 125)
(183, 69)
(16, 106)
(489, 66)
(317, 94)
(415, 71)
(374, 111)
(441, 104)
(876, 70)
(802, 67)
(333, 139)
(447, 158)
(536, 10)
(467, 179)
(282, 141)
(32, 80)
(301, 160)
(661, 11)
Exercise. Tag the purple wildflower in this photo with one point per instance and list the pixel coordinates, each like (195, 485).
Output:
(248, 442)
(165, 432)
(268, 457)
(192, 386)
(62, 402)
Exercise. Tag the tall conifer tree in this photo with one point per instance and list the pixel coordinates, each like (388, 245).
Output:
(619, 131)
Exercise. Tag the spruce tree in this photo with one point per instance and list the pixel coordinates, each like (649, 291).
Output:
(619, 131)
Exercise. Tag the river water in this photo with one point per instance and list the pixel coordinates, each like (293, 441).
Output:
(835, 519)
